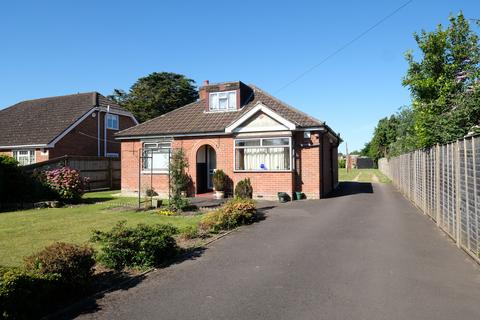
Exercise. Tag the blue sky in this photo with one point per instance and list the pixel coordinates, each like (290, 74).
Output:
(61, 47)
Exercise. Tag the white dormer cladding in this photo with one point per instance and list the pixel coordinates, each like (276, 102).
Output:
(223, 101)
(260, 118)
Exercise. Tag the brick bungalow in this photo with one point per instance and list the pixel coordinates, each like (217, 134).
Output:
(81, 124)
(242, 130)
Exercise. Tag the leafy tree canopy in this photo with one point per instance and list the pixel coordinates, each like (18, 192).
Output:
(449, 66)
(445, 89)
(156, 94)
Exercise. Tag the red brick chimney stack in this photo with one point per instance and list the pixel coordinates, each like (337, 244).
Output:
(202, 92)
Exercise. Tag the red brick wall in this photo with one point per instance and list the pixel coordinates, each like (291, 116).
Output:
(38, 154)
(307, 167)
(305, 178)
(129, 167)
(82, 140)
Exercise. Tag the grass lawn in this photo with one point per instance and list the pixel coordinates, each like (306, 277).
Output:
(362, 175)
(24, 232)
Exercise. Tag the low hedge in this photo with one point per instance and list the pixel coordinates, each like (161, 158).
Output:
(141, 246)
(28, 295)
(234, 213)
(72, 263)
(49, 279)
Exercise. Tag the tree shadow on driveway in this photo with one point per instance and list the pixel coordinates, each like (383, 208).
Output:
(348, 188)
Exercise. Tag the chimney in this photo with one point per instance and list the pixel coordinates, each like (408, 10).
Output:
(202, 91)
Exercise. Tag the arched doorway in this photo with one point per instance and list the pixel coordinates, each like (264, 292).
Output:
(206, 165)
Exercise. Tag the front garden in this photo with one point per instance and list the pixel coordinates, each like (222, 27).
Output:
(50, 257)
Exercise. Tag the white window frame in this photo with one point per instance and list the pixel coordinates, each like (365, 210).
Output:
(212, 108)
(155, 146)
(112, 117)
(290, 152)
(31, 152)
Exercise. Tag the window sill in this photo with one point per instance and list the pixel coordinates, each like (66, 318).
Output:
(261, 171)
(164, 172)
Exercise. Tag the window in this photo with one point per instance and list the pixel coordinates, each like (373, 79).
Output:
(112, 121)
(272, 154)
(112, 155)
(156, 156)
(24, 157)
(223, 101)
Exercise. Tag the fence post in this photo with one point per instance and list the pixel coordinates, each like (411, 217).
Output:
(437, 183)
(110, 173)
(456, 160)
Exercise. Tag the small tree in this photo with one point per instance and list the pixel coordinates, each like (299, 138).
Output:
(179, 180)
(244, 189)
(219, 180)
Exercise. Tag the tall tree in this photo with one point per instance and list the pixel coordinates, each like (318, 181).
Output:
(449, 66)
(384, 135)
(156, 94)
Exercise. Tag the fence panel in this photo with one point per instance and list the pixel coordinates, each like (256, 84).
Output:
(103, 173)
(443, 182)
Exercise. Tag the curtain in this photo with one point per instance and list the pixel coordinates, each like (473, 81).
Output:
(265, 159)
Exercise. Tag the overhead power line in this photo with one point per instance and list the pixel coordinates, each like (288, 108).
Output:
(343, 47)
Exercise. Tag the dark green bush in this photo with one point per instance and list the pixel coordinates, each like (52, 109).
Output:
(16, 186)
(232, 214)
(244, 189)
(220, 180)
(72, 263)
(140, 246)
(27, 295)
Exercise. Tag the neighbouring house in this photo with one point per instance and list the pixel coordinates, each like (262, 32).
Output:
(80, 124)
(242, 130)
(356, 161)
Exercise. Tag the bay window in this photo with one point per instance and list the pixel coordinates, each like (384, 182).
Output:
(264, 154)
(156, 156)
(24, 157)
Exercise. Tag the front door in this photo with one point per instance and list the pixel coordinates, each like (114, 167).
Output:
(206, 165)
(211, 165)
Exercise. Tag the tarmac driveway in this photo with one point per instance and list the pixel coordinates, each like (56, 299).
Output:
(365, 254)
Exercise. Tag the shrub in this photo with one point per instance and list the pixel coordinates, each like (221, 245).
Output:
(234, 213)
(151, 193)
(15, 185)
(220, 180)
(244, 189)
(140, 246)
(179, 181)
(178, 203)
(27, 295)
(73, 263)
(66, 183)
(190, 232)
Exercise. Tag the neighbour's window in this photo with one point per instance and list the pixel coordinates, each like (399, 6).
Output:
(24, 157)
(223, 101)
(272, 154)
(156, 156)
(112, 121)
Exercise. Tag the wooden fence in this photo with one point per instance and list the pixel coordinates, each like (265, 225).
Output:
(444, 182)
(103, 173)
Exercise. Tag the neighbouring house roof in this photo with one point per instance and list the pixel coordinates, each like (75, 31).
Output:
(40, 121)
(192, 118)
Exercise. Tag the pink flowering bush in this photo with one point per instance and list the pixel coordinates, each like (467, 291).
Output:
(66, 183)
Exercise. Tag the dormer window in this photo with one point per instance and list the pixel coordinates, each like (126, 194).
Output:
(223, 101)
